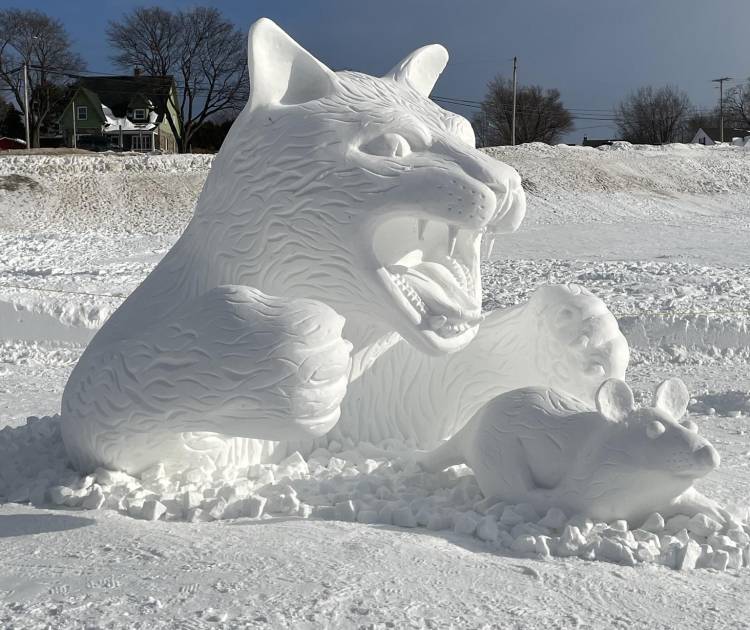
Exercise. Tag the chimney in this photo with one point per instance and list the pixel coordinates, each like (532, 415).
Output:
(137, 71)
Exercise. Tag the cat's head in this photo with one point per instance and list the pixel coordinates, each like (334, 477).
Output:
(363, 192)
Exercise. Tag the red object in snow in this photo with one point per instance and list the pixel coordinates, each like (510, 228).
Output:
(11, 143)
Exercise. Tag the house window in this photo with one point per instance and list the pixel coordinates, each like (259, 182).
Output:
(82, 112)
(139, 114)
(141, 143)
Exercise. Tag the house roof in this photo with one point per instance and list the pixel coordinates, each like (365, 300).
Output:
(118, 92)
(729, 132)
(593, 142)
(93, 99)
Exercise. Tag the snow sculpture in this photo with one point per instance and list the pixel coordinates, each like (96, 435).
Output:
(538, 446)
(338, 199)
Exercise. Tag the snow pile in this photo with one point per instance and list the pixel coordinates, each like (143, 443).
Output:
(109, 192)
(673, 184)
(77, 280)
(623, 182)
(372, 485)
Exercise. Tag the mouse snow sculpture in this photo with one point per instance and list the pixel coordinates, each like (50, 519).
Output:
(343, 214)
(534, 445)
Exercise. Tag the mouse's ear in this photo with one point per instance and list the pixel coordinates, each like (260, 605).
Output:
(672, 397)
(614, 399)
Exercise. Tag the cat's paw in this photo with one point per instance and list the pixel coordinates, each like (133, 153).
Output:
(577, 343)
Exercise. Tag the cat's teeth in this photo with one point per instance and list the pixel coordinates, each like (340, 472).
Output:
(452, 239)
(488, 244)
(421, 226)
(435, 322)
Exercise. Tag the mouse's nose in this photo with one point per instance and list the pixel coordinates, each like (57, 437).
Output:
(707, 457)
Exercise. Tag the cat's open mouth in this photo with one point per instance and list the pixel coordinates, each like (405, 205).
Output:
(431, 271)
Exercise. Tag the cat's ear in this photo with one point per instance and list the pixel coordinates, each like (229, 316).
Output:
(281, 71)
(421, 69)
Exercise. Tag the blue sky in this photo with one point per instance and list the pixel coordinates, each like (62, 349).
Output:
(593, 51)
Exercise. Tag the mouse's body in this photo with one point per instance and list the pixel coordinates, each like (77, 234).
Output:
(538, 446)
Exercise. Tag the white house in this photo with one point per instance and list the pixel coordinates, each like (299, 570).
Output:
(712, 135)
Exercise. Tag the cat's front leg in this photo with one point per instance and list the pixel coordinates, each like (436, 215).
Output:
(234, 362)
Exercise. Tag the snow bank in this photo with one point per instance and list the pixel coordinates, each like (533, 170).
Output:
(126, 192)
(627, 182)
(369, 484)
(146, 193)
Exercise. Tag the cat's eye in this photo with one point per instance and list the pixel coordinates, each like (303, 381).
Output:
(690, 426)
(655, 429)
(388, 145)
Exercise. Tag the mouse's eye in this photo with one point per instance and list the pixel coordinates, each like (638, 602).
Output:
(690, 426)
(655, 429)
(388, 145)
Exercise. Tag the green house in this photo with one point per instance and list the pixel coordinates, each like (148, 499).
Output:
(130, 113)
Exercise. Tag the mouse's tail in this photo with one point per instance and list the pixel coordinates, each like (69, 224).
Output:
(441, 457)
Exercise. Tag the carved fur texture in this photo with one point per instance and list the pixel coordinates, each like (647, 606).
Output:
(331, 191)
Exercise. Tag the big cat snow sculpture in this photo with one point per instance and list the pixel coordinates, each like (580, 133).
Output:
(329, 280)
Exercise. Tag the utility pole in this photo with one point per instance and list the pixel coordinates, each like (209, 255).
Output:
(75, 131)
(513, 124)
(721, 104)
(26, 104)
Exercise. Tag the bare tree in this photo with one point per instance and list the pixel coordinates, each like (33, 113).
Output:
(204, 51)
(40, 41)
(737, 106)
(540, 115)
(147, 38)
(654, 116)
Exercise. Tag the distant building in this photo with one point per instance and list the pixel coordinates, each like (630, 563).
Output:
(597, 143)
(11, 143)
(712, 135)
(122, 112)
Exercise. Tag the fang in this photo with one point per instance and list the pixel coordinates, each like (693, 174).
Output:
(452, 239)
(488, 244)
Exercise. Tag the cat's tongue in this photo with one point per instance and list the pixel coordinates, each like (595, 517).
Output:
(441, 292)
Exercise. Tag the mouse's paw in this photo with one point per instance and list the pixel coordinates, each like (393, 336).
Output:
(692, 502)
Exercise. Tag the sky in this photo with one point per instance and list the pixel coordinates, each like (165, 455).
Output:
(593, 51)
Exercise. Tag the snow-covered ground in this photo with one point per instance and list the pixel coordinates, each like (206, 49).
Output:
(661, 234)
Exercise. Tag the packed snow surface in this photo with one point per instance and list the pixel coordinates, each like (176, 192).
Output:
(357, 535)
